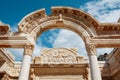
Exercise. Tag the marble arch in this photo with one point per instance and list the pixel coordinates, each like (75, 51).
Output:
(64, 17)
(61, 17)
(75, 20)
(93, 33)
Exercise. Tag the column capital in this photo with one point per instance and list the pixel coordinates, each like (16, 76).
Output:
(28, 50)
(91, 49)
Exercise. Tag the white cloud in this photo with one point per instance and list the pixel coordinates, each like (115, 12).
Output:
(103, 10)
(70, 39)
(53, 35)
(37, 50)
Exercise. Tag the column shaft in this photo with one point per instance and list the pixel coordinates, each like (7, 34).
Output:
(94, 68)
(25, 68)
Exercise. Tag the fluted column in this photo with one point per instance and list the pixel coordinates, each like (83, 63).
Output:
(25, 68)
(94, 68)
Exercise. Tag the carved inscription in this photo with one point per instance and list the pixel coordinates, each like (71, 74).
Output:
(59, 56)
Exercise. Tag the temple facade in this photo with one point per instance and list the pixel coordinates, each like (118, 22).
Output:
(58, 65)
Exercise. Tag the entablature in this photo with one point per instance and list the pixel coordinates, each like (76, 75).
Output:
(109, 29)
(16, 40)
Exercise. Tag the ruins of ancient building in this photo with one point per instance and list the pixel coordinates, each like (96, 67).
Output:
(60, 64)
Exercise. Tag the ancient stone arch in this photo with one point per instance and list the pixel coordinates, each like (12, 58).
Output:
(93, 33)
(61, 17)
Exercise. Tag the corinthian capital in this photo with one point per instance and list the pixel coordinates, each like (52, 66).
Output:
(91, 49)
(28, 50)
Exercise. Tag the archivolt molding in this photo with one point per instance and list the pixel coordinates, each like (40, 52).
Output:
(37, 22)
(32, 20)
(76, 14)
(66, 25)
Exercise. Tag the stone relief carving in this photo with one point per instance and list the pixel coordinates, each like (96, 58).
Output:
(59, 56)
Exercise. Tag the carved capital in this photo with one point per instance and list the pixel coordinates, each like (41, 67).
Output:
(28, 50)
(91, 49)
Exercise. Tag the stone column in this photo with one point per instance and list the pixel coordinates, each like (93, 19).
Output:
(94, 68)
(25, 68)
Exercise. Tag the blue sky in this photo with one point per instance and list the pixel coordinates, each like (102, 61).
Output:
(12, 11)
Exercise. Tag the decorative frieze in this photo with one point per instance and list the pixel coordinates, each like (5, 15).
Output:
(108, 29)
(75, 14)
(59, 56)
(31, 22)
(28, 23)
